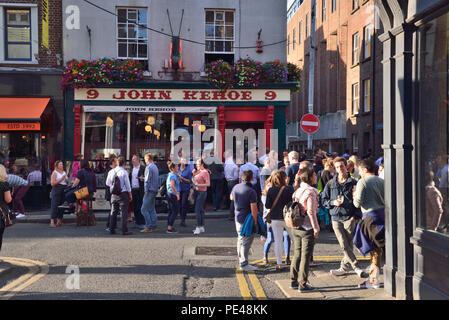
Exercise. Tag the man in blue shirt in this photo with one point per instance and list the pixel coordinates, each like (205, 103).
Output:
(245, 202)
(151, 187)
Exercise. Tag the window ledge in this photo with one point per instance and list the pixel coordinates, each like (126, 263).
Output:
(366, 59)
(355, 10)
(365, 2)
(355, 65)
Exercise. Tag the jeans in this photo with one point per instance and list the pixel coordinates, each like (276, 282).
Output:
(199, 207)
(184, 204)
(303, 244)
(57, 198)
(270, 241)
(243, 245)
(343, 231)
(149, 209)
(137, 205)
(173, 207)
(216, 186)
(17, 203)
(278, 227)
(120, 204)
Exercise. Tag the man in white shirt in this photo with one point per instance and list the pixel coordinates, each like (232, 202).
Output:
(231, 171)
(119, 201)
(35, 176)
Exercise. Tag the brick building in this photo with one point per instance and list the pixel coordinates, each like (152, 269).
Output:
(31, 103)
(347, 75)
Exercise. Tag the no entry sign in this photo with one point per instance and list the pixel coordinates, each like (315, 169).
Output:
(310, 123)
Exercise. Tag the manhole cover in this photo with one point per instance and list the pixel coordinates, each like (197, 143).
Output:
(216, 251)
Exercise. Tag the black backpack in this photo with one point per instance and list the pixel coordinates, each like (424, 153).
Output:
(116, 187)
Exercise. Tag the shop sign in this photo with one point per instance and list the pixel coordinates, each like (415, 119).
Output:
(145, 109)
(20, 126)
(185, 95)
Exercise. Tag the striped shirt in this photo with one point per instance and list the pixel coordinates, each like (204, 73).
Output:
(35, 177)
(16, 181)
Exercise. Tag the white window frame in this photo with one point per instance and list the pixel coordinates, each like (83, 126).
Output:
(355, 143)
(34, 32)
(355, 98)
(118, 40)
(214, 39)
(366, 95)
(367, 39)
(355, 48)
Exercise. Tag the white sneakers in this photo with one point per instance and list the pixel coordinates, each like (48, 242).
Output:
(249, 267)
(339, 272)
(368, 285)
(199, 230)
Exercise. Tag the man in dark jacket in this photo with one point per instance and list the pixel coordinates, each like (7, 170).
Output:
(216, 180)
(337, 197)
(136, 176)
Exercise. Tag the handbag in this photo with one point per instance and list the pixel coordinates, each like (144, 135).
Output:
(81, 193)
(268, 217)
(6, 217)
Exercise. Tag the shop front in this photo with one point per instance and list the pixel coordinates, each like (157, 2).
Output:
(26, 140)
(140, 119)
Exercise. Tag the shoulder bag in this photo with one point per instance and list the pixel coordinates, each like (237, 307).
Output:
(268, 217)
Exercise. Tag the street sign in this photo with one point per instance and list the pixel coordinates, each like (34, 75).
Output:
(310, 123)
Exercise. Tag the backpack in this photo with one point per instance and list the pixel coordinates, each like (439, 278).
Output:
(116, 188)
(294, 214)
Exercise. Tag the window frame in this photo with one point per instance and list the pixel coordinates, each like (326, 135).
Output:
(355, 98)
(300, 32)
(137, 39)
(366, 95)
(323, 10)
(355, 48)
(367, 41)
(224, 40)
(6, 43)
(294, 39)
(355, 142)
(307, 25)
(333, 6)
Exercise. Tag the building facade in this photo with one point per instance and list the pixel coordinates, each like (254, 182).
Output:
(415, 83)
(31, 104)
(347, 75)
(137, 118)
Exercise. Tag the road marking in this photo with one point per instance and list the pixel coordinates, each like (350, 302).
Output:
(243, 285)
(257, 286)
(36, 271)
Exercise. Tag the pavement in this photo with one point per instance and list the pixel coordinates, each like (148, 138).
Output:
(328, 287)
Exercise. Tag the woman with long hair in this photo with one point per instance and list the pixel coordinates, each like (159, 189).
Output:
(5, 198)
(59, 181)
(278, 196)
(304, 237)
(201, 182)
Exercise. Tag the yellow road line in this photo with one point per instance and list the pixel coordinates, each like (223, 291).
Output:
(243, 285)
(260, 294)
(37, 270)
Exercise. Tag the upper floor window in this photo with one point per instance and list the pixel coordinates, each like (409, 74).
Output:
(367, 95)
(355, 4)
(18, 42)
(300, 33)
(307, 25)
(323, 10)
(219, 35)
(367, 41)
(288, 44)
(294, 38)
(355, 98)
(334, 5)
(355, 48)
(132, 35)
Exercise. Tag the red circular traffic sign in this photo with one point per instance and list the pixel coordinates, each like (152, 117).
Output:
(310, 123)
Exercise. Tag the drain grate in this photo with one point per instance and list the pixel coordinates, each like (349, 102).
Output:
(216, 251)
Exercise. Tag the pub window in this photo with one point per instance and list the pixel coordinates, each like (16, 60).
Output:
(355, 48)
(433, 126)
(355, 98)
(132, 35)
(18, 40)
(220, 37)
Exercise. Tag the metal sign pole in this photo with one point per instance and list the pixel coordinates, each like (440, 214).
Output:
(311, 75)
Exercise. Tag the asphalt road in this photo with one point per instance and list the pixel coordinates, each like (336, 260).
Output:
(141, 266)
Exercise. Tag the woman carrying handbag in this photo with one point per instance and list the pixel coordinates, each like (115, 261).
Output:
(59, 181)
